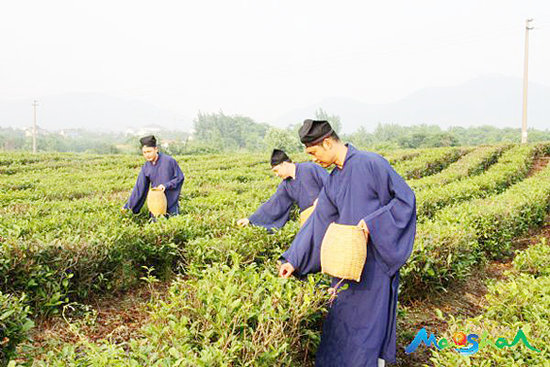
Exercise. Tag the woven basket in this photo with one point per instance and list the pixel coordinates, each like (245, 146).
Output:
(344, 251)
(306, 214)
(156, 202)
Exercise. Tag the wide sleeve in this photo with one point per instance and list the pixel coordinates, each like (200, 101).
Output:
(393, 226)
(275, 212)
(178, 177)
(305, 251)
(139, 193)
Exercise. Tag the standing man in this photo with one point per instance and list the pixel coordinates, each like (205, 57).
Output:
(159, 171)
(362, 190)
(301, 185)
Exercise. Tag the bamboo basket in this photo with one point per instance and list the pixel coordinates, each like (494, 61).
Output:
(344, 251)
(156, 202)
(306, 214)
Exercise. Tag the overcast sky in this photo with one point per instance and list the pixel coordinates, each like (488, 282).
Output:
(262, 58)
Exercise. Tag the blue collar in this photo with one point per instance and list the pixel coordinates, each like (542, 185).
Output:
(349, 154)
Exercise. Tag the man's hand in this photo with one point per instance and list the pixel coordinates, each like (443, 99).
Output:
(286, 270)
(243, 222)
(161, 188)
(364, 227)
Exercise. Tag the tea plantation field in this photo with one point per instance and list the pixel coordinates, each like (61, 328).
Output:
(64, 241)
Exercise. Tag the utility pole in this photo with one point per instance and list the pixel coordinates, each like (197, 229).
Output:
(34, 129)
(525, 64)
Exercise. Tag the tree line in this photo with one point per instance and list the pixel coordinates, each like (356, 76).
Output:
(220, 132)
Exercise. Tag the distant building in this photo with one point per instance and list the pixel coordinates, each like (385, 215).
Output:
(167, 142)
(39, 131)
(70, 133)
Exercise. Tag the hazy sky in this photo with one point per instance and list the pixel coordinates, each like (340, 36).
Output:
(262, 58)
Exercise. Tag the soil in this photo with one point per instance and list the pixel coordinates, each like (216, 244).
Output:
(538, 165)
(117, 318)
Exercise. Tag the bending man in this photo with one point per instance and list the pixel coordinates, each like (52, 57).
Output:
(301, 185)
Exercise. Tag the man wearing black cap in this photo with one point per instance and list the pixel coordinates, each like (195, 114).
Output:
(159, 171)
(362, 190)
(301, 185)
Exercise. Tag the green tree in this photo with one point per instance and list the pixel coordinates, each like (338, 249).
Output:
(284, 139)
(360, 138)
(229, 132)
(334, 120)
(388, 132)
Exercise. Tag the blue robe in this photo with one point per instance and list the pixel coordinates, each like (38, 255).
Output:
(165, 171)
(360, 325)
(302, 190)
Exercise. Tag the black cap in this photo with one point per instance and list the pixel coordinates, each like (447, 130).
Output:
(148, 141)
(314, 131)
(278, 157)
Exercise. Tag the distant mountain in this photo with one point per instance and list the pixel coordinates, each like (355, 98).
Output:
(489, 100)
(90, 111)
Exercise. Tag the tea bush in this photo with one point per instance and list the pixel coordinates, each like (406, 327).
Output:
(468, 165)
(429, 162)
(447, 247)
(520, 302)
(14, 324)
(512, 167)
(238, 315)
(63, 237)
